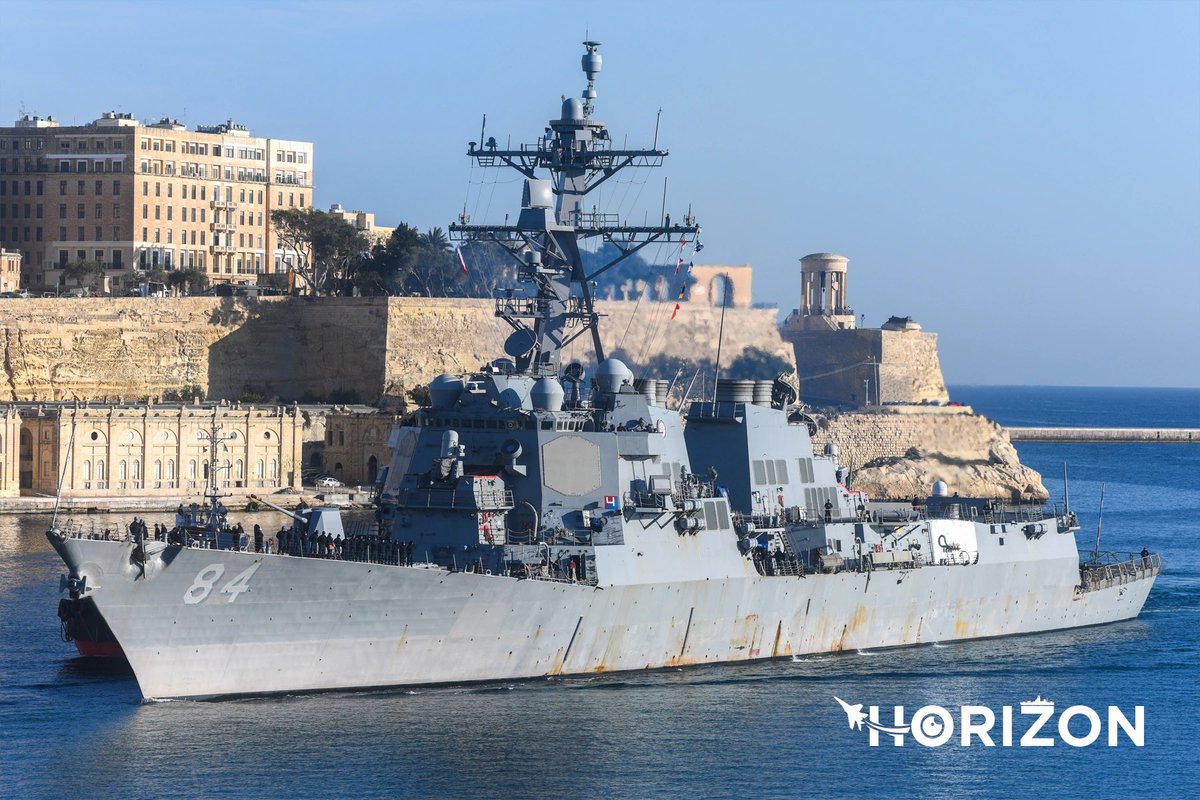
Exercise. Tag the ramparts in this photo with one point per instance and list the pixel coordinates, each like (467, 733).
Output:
(333, 349)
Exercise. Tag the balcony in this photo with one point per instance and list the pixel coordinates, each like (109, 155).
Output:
(224, 227)
(223, 203)
(224, 248)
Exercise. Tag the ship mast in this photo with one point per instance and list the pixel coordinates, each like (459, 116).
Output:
(576, 150)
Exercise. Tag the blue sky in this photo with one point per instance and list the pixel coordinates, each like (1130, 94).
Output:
(1022, 178)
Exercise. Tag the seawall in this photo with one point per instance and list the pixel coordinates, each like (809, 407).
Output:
(339, 349)
(1161, 435)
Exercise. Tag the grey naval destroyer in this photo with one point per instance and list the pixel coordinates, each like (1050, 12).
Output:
(567, 521)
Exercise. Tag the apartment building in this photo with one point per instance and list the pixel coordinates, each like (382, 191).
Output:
(131, 196)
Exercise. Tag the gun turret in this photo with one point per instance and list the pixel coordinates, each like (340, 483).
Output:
(312, 521)
(301, 518)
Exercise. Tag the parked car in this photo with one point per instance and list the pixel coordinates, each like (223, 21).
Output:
(328, 482)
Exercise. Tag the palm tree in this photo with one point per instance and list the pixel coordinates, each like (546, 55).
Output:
(435, 239)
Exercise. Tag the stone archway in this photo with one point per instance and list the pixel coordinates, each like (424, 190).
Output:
(720, 291)
(372, 469)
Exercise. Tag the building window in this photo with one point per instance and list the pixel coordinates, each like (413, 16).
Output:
(116, 188)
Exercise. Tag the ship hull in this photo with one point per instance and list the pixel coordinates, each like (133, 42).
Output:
(302, 624)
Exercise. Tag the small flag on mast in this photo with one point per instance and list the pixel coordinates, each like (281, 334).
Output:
(676, 311)
(461, 260)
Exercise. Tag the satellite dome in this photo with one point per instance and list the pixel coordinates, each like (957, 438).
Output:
(940, 489)
(572, 110)
(444, 391)
(547, 395)
(612, 374)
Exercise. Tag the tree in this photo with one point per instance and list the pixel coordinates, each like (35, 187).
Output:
(389, 268)
(327, 247)
(188, 281)
(85, 274)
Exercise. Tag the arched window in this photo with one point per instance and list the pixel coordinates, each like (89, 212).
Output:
(122, 471)
(137, 471)
(258, 469)
(100, 470)
(171, 472)
(274, 469)
(372, 469)
(87, 470)
(157, 470)
(192, 470)
(239, 470)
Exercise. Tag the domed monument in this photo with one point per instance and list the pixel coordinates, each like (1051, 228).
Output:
(841, 364)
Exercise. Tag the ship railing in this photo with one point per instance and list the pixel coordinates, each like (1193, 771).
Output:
(497, 500)
(866, 563)
(542, 573)
(1103, 570)
(784, 566)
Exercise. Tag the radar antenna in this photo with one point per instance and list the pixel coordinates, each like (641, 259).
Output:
(578, 154)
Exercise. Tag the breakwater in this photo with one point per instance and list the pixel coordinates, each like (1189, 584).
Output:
(1163, 435)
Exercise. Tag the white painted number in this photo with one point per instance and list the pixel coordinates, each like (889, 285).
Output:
(207, 579)
(200, 589)
(240, 584)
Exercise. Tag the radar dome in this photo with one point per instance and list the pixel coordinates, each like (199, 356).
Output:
(940, 489)
(444, 391)
(612, 374)
(547, 395)
(572, 110)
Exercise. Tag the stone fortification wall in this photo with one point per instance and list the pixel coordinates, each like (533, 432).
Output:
(339, 349)
(430, 336)
(105, 349)
(899, 453)
(836, 367)
(909, 370)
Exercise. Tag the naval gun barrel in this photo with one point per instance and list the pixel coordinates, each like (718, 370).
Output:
(280, 509)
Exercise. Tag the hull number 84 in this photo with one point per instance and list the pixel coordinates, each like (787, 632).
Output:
(206, 581)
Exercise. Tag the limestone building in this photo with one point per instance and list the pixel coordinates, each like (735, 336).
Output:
(356, 445)
(10, 270)
(148, 450)
(841, 364)
(365, 222)
(126, 195)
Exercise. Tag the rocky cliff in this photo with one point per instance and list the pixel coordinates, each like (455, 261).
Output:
(899, 452)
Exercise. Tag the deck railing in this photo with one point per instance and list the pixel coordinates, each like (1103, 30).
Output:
(1103, 570)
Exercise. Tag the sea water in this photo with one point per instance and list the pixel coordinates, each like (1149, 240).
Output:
(71, 728)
